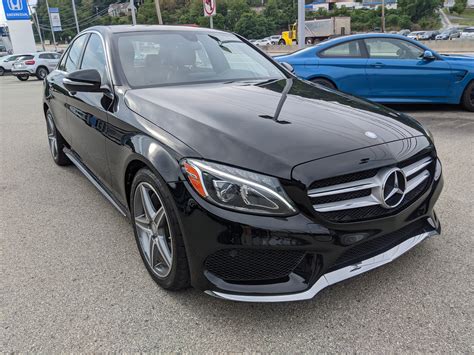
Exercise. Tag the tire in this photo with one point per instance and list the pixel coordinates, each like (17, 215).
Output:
(281, 42)
(309, 41)
(2, 71)
(41, 73)
(324, 82)
(23, 77)
(157, 232)
(56, 142)
(467, 100)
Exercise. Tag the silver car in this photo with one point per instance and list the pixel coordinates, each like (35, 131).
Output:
(35, 64)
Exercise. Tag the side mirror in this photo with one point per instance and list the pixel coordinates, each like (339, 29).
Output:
(85, 80)
(288, 67)
(428, 55)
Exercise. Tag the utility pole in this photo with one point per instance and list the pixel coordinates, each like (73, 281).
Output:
(75, 15)
(383, 16)
(132, 9)
(51, 25)
(38, 29)
(301, 24)
(158, 11)
(211, 22)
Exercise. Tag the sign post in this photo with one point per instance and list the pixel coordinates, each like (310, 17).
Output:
(51, 26)
(210, 10)
(19, 25)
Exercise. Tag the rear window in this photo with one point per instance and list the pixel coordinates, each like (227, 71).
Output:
(25, 57)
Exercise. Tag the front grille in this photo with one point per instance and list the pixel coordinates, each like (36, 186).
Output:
(253, 264)
(364, 198)
(378, 245)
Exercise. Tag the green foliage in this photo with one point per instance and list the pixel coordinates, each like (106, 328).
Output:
(459, 6)
(245, 17)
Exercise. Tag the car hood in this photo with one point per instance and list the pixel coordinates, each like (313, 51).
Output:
(269, 127)
(469, 60)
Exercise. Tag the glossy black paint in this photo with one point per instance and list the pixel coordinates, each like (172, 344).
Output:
(290, 129)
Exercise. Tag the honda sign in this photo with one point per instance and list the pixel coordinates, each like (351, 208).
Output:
(16, 9)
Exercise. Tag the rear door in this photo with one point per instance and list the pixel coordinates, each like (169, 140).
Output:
(345, 64)
(397, 72)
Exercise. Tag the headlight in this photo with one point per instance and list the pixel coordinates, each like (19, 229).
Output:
(237, 189)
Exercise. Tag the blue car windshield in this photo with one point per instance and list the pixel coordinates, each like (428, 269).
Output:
(158, 58)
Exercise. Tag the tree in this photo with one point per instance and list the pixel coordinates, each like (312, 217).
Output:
(252, 25)
(417, 9)
(459, 6)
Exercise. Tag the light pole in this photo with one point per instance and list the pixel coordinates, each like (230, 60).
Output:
(301, 24)
(383, 16)
(132, 9)
(75, 15)
(51, 25)
(38, 29)
(158, 11)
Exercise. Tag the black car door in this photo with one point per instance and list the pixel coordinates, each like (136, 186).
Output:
(88, 113)
(57, 94)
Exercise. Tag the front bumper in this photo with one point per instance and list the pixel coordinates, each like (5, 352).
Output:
(211, 232)
(333, 277)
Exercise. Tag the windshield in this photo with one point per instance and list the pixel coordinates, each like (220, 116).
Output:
(159, 58)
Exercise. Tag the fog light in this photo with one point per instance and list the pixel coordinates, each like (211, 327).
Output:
(353, 238)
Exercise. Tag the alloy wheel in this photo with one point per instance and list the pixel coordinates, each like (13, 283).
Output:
(52, 137)
(153, 230)
(42, 73)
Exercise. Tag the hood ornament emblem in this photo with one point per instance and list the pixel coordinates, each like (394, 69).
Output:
(393, 188)
(371, 135)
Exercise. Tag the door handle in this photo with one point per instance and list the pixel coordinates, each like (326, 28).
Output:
(377, 65)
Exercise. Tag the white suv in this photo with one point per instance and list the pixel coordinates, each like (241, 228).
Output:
(7, 62)
(37, 64)
(467, 33)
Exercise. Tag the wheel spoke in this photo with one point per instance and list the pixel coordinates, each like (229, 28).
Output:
(145, 237)
(164, 251)
(147, 203)
(158, 217)
(143, 222)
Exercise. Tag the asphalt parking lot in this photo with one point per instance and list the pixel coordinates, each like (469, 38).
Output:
(72, 279)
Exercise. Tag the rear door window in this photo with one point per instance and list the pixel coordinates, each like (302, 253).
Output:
(351, 49)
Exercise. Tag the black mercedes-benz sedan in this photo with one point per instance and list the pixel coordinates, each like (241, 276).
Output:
(238, 178)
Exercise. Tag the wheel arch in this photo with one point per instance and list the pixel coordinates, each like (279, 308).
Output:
(42, 66)
(464, 90)
(320, 76)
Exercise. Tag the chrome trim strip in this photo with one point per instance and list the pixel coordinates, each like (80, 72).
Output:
(347, 204)
(88, 175)
(417, 181)
(343, 188)
(417, 166)
(335, 276)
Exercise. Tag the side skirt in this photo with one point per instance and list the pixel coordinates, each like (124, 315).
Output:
(92, 178)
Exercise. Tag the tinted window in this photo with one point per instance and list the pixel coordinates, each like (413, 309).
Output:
(350, 49)
(94, 56)
(45, 56)
(25, 57)
(174, 57)
(392, 49)
(72, 62)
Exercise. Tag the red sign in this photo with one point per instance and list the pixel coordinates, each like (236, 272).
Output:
(209, 7)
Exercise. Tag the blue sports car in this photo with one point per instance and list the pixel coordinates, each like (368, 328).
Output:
(387, 68)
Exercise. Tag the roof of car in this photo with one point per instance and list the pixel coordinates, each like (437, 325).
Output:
(144, 28)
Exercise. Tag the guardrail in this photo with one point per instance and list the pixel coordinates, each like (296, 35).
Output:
(448, 47)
